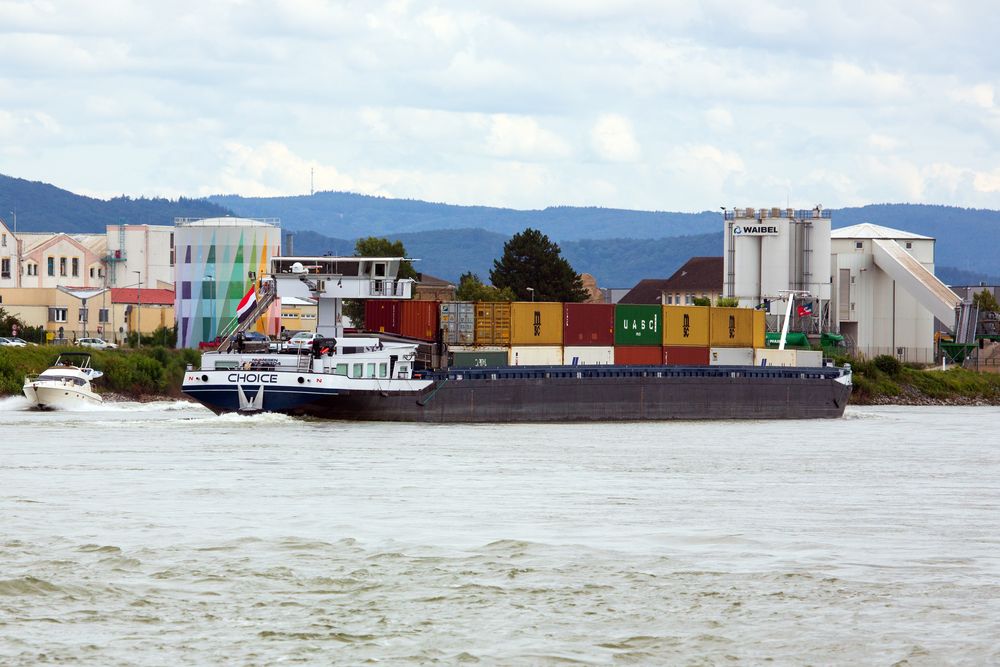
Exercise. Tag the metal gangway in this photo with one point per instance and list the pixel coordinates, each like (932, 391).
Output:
(266, 294)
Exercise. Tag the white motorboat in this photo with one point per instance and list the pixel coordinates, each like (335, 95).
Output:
(65, 384)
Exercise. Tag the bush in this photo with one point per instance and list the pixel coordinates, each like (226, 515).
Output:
(888, 364)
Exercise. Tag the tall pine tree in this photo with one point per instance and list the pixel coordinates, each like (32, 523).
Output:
(530, 259)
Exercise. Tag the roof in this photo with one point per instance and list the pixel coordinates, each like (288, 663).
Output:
(152, 297)
(296, 301)
(698, 273)
(648, 290)
(227, 222)
(867, 230)
(428, 280)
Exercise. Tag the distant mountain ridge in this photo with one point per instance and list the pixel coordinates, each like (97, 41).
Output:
(619, 247)
(41, 207)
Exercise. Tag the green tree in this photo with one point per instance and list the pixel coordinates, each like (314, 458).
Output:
(530, 259)
(727, 302)
(373, 246)
(702, 301)
(985, 302)
(471, 288)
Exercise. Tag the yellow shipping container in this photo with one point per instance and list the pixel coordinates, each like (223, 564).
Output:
(686, 326)
(536, 323)
(759, 328)
(731, 327)
(492, 323)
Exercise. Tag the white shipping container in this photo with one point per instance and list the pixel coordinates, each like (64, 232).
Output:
(809, 358)
(536, 355)
(803, 358)
(771, 357)
(588, 355)
(730, 356)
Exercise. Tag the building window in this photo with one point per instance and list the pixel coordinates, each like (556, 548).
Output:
(185, 289)
(670, 299)
(859, 245)
(31, 269)
(4, 240)
(57, 314)
(5, 268)
(173, 251)
(91, 272)
(52, 266)
(908, 245)
(83, 314)
(76, 267)
(62, 266)
(102, 316)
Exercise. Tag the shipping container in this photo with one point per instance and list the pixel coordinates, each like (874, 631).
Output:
(639, 355)
(535, 355)
(458, 322)
(536, 323)
(589, 324)
(493, 323)
(788, 357)
(584, 355)
(638, 325)
(683, 355)
(478, 358)
(731, 327)
(730, 356)
(419, 319)
(759, 328)
(382, 315)
(686, 325)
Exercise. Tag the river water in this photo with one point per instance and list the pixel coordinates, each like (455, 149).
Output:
(160, 534)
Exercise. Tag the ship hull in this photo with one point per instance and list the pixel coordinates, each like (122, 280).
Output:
(550, 397)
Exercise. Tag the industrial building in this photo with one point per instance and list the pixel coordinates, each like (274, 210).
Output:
(887, 295)
(873, 285)
(217, 260)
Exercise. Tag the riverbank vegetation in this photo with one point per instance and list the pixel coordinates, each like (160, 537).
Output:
(140, 373)
(883, 380)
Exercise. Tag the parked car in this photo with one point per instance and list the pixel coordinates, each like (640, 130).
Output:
(13, 342)
(302, 339)
(96, 343)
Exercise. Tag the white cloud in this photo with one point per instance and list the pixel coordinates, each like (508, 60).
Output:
(272, 170)
(613, 139)
(528, 103)
(719, 119)
(520, 137)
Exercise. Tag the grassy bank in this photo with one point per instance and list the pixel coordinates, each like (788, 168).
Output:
(147, 372)
(885, 381)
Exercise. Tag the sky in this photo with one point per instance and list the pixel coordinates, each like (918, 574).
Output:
(672, 105)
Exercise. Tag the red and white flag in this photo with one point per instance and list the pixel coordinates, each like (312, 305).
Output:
(246, 305)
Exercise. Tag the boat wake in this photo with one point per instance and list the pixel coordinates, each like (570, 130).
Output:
(14, 404)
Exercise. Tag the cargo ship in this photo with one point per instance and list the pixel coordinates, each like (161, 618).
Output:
(369, 378)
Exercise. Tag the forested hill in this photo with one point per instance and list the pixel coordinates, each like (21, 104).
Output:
(347, 215)
(41, 207)
(619, 247)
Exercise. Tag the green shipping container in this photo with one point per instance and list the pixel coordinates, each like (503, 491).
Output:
(483, 359)
(638, 325)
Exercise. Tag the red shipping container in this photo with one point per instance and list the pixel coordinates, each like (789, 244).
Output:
(419, 319)
(588, 324)
(682, 355)
(382, 315)
(638, 355)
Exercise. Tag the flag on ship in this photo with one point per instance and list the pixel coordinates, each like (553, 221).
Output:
(246, 305)
(806, 310)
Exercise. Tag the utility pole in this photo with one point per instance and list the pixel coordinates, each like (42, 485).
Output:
(138, 315)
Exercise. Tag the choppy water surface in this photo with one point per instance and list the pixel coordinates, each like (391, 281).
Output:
(160, 534)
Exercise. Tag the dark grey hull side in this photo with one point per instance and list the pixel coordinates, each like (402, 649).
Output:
(591, 399)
